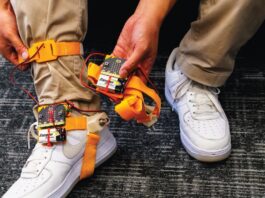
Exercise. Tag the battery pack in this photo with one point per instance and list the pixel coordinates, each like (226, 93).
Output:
(52, 135)
(109, 79)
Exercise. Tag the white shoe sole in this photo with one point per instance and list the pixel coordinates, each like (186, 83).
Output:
(193, 150)
(104, 151)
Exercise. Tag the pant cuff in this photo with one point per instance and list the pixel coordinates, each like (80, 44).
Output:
(198, 74)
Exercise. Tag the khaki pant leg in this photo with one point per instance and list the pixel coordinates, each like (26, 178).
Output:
(60, 20)
(207, 52)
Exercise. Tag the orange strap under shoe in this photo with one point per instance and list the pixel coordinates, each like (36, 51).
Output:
(95, 124)
(50, 50)
(89, 159)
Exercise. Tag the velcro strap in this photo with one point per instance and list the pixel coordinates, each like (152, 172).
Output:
(93, 72)
(89, 159)
(132, 106)
(50, 50)
(129, 107)
(76, 123)
(137, 84)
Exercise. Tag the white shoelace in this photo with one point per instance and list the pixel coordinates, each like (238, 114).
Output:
(39, 154)
(202, 97)
(34, 162)
(202, 100)
(31, 131)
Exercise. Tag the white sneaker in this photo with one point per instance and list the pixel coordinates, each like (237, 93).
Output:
(204, 128)
(53, 171)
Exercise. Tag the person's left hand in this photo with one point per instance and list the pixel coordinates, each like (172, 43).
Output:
(138, 43)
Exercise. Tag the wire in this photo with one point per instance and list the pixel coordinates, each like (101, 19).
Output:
(71, 104)
(148, 79)
(113, 99)
(17, 67)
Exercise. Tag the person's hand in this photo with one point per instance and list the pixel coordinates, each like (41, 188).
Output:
(10, 43)
(138, 44)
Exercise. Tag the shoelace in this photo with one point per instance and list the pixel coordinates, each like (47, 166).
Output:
(202, 97)
(39, 154)
(34, 162)
(31, 131)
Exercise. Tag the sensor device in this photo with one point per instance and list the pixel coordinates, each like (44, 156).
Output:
(109, 79)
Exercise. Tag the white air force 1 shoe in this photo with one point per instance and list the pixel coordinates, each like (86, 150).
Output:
(204, 128)
(53, 171)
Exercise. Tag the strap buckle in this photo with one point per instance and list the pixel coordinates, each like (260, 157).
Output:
(41, 52)
(47, 51)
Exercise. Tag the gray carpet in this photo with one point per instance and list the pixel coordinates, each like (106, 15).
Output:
(152, 162)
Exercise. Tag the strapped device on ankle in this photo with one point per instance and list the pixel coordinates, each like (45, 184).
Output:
(55, 121)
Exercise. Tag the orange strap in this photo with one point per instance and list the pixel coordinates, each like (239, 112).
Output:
(50, 50)
(76, 123)
(89, 159)
(132, 106)
(93, 72)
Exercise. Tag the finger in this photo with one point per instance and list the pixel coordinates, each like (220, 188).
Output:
(121, 50)
(18, 46)
(11, 56)
(132, 62)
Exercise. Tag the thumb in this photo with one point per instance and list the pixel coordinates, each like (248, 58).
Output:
(131, 63)
(19, 46)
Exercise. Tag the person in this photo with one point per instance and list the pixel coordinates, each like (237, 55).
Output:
(202, 62)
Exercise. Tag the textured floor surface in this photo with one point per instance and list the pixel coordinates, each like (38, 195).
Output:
(152, 162)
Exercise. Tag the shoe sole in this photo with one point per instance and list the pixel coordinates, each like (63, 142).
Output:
(202, 155)
(194, 151)
(107, 149)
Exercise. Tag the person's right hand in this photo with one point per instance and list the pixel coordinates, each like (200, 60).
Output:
(10, 43)
(137, 43)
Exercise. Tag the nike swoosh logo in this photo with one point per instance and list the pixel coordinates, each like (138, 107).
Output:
(70, 150)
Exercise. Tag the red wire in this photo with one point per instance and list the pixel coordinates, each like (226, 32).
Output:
(129, 77)
(12, 80)
(82, 110)
(148, 79)
(83, 70)
(12, 75)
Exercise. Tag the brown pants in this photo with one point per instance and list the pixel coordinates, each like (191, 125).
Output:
(206, 54)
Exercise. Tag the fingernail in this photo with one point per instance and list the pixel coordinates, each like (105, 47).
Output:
(25, 55)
